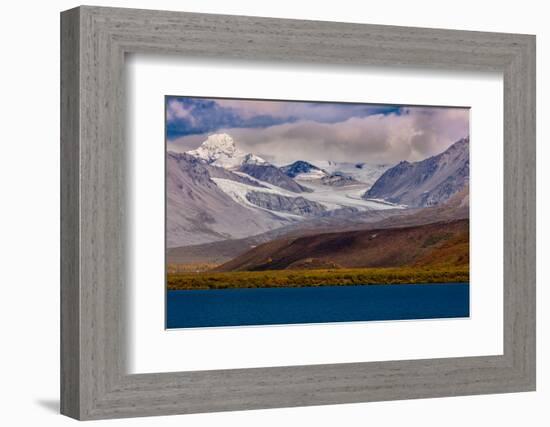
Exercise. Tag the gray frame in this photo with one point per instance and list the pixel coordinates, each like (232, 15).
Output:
(94, 383)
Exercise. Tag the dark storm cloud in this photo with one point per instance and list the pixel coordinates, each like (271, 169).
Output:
(322, 131)
(191, 116)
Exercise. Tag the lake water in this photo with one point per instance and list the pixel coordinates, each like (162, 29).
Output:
(274, 306)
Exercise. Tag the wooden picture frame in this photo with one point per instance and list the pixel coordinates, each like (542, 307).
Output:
(94, 381)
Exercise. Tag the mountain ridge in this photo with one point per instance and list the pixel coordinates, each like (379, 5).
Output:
(301, 168)
(219, 192)
(198, 211)
(221, 150)
(428, 182)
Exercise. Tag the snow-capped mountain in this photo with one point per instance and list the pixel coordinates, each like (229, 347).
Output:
(200, 211)
(228, 193)
(220, 150)
(219, 192)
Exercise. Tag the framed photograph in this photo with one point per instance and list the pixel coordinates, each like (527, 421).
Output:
(282, 212)
(262, 213)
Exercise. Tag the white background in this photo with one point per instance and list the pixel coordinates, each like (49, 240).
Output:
(153, 349)
(29, 177)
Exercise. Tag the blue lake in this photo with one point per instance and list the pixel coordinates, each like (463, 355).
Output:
(275, 306)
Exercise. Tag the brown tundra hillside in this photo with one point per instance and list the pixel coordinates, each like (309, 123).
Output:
(440, 244)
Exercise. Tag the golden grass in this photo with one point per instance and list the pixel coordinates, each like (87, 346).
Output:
(189, 268)
(332, 277)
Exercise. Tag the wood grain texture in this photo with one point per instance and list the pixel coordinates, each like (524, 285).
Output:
(70, 220)
(95, 383)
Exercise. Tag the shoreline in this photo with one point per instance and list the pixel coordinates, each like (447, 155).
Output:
(315, 278)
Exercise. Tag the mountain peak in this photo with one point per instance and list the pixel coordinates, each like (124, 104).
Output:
(218, 148)
(303, 169)
(221, 150)
(219, 143)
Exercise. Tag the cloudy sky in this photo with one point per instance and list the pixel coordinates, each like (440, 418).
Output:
(285, 131)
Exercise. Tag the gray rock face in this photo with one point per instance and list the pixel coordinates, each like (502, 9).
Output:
(305, 170)
(219, 172)
(272, 175)
(300, 167)
(339, 179)
(198, 211)
(198, 168)
(429, 182)
(278, 203)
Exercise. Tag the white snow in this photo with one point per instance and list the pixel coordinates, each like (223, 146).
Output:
(216, 146)
(366, 173)
(237, 191)
(229, 162)
(385, 202)
(331, 197)
(311, 175)
(341, 197)
(220, 150)
(252, 159)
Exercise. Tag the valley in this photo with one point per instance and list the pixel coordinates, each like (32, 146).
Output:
(237, 220)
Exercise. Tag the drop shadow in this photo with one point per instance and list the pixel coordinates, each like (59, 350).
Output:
(52, 405)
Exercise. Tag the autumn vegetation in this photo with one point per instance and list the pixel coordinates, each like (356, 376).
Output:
(431, 253)
(332, 277)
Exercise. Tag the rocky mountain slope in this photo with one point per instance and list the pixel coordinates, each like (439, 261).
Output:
(218, 192)
(208, 203)
(304, 170)
(280, 203)
(198, 211)
(456, 208)
(220, 150)
(272, 175)
(339, 179)
(428, 182)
